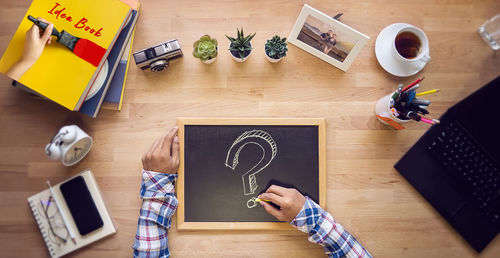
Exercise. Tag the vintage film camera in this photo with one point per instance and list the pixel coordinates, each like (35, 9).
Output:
(157, 57)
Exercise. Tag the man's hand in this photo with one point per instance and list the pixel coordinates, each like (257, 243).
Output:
(290, 200)
(164, 154)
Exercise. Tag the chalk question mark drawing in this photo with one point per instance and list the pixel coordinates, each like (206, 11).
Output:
(269, 150)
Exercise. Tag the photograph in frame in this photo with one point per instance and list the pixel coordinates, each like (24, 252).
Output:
(326, 38)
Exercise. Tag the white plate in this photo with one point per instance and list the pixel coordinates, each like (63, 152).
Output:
(99, 81)
(385, 57)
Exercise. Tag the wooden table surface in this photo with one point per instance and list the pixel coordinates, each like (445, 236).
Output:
(365, 194)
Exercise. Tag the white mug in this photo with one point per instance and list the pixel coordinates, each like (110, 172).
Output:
(423, 55)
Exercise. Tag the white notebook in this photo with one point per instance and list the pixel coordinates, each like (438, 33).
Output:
(55, 245)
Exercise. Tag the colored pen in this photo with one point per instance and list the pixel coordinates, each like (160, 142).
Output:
(412, 84)
(413, 115)
(425, 120)
(406, 113)
(421, 102)
(427, 92)
(397, 94)
(413, 88)
(63, 215)
(411, 96)
(421, 110)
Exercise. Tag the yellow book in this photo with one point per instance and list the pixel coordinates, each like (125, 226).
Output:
(126, 70)
(60, 74)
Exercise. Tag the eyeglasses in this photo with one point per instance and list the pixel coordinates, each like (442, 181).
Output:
(58, 233)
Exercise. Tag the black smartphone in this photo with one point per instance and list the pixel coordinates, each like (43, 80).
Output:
(81, 205)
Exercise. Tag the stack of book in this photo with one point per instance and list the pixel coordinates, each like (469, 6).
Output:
(72, 75)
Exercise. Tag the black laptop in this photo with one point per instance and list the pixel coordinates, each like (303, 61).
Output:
(455, 165)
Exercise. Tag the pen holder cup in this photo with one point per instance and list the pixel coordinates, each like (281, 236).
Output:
(383, 113)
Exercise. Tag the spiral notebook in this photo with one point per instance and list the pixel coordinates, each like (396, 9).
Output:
(54, 232)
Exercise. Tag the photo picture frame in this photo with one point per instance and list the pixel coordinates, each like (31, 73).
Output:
(326, 38)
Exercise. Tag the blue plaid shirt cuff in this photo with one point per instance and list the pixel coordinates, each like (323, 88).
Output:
(322, 229)
(158, 207)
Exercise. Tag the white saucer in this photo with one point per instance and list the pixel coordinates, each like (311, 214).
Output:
(99, 81)
(383, 51)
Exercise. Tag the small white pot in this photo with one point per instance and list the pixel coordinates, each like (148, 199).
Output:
(209, 61)
(238, 59)
(272, 60)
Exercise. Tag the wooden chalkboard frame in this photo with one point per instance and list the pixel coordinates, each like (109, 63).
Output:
(181, 122)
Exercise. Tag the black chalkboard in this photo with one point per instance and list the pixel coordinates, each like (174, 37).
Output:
(214, 192)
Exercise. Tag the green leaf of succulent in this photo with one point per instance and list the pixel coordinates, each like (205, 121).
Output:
(276, 47)
(196, 54)
(196, 43)
(231, 39)
(240, 44)
(205, 38)
(205, 48)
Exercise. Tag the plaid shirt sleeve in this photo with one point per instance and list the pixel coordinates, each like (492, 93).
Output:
(158, 205)
(323, 230)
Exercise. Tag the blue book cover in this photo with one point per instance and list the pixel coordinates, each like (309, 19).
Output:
(92, 106)
(114, 97)
(115, 88)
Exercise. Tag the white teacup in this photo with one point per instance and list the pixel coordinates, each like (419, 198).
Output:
(423, 51)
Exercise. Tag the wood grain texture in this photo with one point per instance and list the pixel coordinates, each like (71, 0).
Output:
(364, 192)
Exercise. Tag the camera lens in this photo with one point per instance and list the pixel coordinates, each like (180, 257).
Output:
(159, 65)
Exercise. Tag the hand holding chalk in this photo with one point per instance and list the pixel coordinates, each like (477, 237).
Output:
(290, 200)
(163, 156)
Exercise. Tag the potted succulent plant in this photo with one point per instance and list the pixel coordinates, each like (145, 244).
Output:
(240, 47)
(275, 49)
(205, 49)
